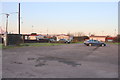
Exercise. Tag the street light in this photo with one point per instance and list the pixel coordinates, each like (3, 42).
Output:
(32, 28)
(102, 33)
(7, 15)
(7, 22)
(6, 31)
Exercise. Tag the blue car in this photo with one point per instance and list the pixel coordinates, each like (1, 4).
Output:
(94, 43)
(64, 41)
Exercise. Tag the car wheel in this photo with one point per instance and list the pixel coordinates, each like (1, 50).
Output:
(103, 45)
(68, 42)
(90, 44)
(87, 44)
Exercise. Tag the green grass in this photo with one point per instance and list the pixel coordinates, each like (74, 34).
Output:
(10, 46)
(80, 42)
(7, 47)
(1, 46)
(114, 43)
(41, 44)
(77, 42)
(32, 44)
(118, 43)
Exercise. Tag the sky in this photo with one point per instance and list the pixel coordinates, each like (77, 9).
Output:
(99, 18)
(60, 0)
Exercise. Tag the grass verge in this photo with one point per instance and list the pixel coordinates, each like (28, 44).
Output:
(34, 45)
(77, 42)
(113, 43)
(31, 44)
(1, 45)
(41, 44)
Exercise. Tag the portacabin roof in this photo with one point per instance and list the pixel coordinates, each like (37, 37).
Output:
(99, 36)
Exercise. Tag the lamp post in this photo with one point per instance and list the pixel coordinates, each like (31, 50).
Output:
(6, 31)
(102, 33)
(7, 22)
(115, 32)
(47, 31)
(32, 28)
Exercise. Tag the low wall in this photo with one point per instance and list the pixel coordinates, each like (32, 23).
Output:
(14, 39)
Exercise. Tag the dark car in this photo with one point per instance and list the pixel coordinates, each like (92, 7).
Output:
(94, 43)
(64, 41)
(52, 40)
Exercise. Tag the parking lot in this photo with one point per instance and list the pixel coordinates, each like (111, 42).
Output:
(61, 61)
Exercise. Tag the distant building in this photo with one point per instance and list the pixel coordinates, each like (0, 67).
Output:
(80, 38)
(33, 37)
(25, 36)
(40, 37)
(30, 36)
(102, 38)
(110, 39)
(99, 38)
(63, 36)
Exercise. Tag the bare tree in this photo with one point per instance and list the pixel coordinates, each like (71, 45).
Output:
(70, 34)
(89, 34)
(80, 34)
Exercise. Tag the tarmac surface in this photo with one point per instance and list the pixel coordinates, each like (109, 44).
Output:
(62, 61)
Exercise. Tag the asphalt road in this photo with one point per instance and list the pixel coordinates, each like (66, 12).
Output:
(63, 61)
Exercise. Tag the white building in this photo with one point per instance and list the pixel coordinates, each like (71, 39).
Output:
(63, 36)
(99, 38)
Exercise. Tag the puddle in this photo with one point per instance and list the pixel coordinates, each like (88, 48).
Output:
(41, 61)
(17, 62)
(31, 58)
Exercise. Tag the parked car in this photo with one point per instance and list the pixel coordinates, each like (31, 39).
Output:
(52, 40)
(94, 43)
(64, 41)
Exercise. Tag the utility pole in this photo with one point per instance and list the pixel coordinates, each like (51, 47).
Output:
(6, 28)
(32, 28)
(7, 22)
(19, 19)
(102, 33)
(47, 32)
(6, 32)
(115, 33)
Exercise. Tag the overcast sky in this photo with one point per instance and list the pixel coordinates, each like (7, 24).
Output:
(63, 17)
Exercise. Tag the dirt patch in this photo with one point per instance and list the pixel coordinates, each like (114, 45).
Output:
(41, 61)
(18, 62)
(95, 48)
